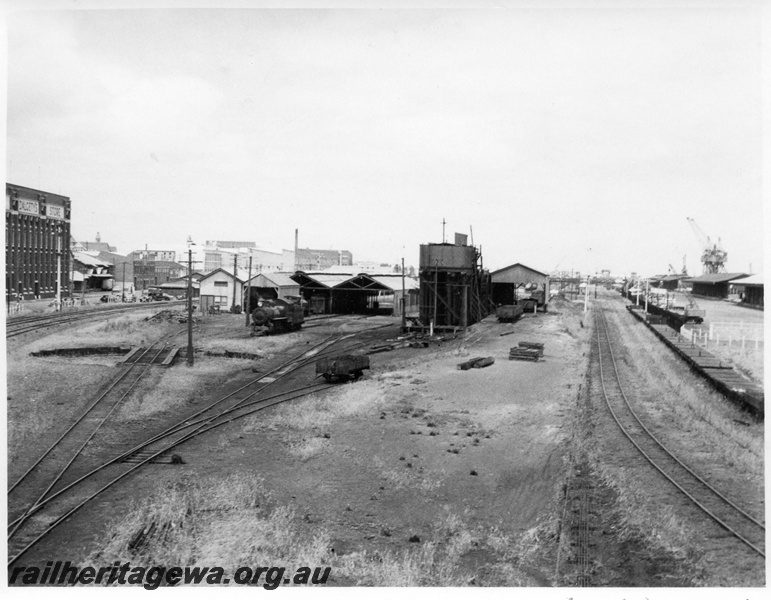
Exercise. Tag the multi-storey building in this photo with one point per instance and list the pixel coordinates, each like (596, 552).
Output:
(307, 259)
(37, 236)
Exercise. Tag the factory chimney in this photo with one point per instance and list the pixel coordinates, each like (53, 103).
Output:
(296, 238)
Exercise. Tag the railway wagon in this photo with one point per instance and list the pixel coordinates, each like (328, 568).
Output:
(343, 367)
(281, 314)
(508, 313)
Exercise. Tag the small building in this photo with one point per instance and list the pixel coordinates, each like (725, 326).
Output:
(751, 290)
(713, 285)
(515, 282)
(221, 288)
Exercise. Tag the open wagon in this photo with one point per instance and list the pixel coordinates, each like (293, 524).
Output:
(343, 367)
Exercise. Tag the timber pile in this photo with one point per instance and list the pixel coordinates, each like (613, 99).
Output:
(524, 354)
(532, 346)
(476, 363)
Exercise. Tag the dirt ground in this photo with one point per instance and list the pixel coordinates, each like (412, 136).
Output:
(387, 465)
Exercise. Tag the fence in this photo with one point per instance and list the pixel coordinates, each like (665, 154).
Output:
(741, 336)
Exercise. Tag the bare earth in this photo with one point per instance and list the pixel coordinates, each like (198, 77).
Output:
(417, 455)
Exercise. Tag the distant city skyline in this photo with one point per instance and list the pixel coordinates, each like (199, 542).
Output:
(565, 135)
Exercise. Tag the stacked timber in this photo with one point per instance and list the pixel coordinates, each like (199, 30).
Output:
(526, 351)
(532, 346)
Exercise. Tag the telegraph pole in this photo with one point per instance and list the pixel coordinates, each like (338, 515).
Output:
(189, 307)
(59, 271)
(249, 292)
(586, 294)
(235, 285)
(404, 302)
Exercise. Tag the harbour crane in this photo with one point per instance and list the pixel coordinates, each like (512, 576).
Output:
(713, 256)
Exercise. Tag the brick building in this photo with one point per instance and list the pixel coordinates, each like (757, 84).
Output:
(37, 238)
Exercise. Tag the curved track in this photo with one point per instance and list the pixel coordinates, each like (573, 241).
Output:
(16, 326)
(63, 496)
(726, 513)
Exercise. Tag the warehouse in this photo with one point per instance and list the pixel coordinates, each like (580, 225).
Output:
(90, 273)
(713, 285)
(37, 235)
(516, 282)
(751, 291)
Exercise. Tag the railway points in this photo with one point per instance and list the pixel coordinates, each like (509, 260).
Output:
(65, 495)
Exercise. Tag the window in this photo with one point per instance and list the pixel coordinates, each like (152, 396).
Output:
(220, 284)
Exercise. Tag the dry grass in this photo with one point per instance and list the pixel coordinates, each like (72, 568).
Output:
(128, 330)
(178, 386)
(233, 521)
(317, 412)
(265, 346)
(42, 394)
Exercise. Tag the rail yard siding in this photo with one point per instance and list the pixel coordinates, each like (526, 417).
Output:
(717, 372)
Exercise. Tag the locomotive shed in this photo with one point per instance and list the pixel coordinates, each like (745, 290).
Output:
(386, 471)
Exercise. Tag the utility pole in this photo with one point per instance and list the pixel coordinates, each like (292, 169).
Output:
(249, 292)
(647, 288)
(123, 284)
(586, 294)
(189, 307)
(404, 302)
(235, 285)
(59, 270)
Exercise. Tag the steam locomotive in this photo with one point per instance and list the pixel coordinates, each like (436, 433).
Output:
(281, 314)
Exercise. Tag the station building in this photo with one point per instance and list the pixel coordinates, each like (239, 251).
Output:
(37, 240)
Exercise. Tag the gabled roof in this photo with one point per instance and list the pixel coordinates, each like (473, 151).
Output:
(273, 280)
(221, 270)
(337, 281)
(519, 265)
(714, 278)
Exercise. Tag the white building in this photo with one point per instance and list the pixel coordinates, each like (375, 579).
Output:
(221, 288)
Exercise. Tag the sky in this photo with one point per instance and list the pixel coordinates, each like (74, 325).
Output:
(563, 135)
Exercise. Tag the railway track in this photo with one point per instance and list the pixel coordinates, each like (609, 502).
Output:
(68, 489)
(717, 506)
(17, 326)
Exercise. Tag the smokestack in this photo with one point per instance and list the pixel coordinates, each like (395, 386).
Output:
(296, 238)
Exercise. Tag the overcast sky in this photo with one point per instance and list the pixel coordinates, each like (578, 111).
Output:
(566, 134)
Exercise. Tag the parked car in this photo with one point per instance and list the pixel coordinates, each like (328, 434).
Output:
(160, 297)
